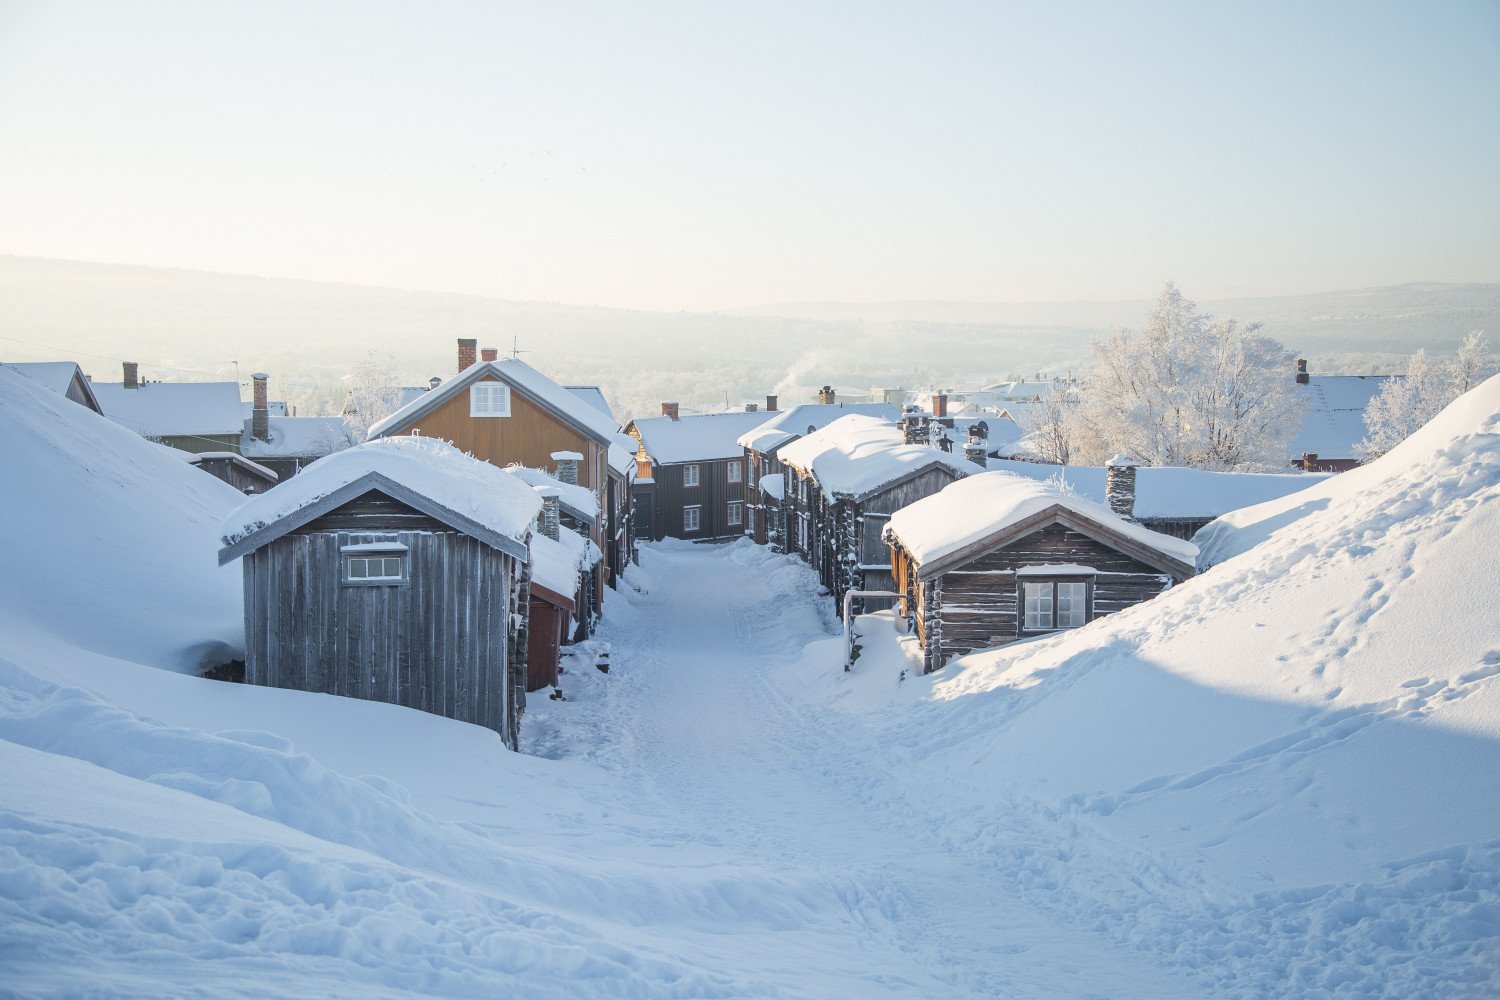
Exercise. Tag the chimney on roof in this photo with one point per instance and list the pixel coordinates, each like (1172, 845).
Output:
(975, 449)
(490, 354)
(468, 355)
(260, 412)
(770, 404)
(752, 407)
(940, 404)
(827, 395)
(1301, 371)
(1119, 485)
(671, 410)
(551, 502)
(132, 374)
(433, 383)
(567, 466)
(913, 425)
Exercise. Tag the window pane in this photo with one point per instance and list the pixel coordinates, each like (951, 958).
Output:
(358, 568)
(1038, 605)
(392, 567)
(1072, 604)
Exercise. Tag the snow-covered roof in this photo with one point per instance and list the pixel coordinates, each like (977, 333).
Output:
(173, 409)
(63, 377)
(240, 460)
(433, 476)
(521, 377)
(697, 437)
(1171, 493)
(594, 396)
(622, 454)
(788, 425)
(986, 505)
(773, 485)
(297, 437)
(579, 501)
(557, 564)
(857, 455)
(1335, 420)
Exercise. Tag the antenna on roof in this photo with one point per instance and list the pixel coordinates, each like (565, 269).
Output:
(515, 348)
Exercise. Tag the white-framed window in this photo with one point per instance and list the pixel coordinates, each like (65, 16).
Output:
(736, 512)
(736, 471)
(691, 518)
(689, 475)
(1049, 605)
(802, 533)
(489, 399)
(751, 467)
(375, 567)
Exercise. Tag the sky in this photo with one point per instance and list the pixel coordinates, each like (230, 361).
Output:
(704, 156)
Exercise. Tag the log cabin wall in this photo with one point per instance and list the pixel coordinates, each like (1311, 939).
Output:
(712, 496)
(439, 641)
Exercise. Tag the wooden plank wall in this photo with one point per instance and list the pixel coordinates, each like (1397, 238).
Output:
(713, 494)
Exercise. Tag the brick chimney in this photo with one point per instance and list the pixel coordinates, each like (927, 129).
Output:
(260, 412)
(940, 404)
(1119, 485)
(490, 354)
(567, 466)
(827, 395)
(770, 404)
(1301, 371)
(671, 410)
(468, 353)
(551, 502)
(132, 374)
(433, 383)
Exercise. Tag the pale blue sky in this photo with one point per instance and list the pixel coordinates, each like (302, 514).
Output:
(695, 156)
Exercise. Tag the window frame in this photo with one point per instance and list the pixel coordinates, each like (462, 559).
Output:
(490, 388)
(1054, 597)
(735, 470)
(691, 477)
(750, 470)
(365, 553)
(736, 514)
(697, 511)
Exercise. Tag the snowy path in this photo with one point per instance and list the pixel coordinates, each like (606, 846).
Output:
(714, 750)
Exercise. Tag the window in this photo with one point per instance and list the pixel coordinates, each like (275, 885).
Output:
(689, 475)
(375, 568)
(735, 472)
(736, 513)
(1048, 605)
(690, 516)
(489, 399)
(802, 533)
(750, 467)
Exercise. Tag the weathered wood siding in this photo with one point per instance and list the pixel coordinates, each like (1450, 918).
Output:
(438, 641)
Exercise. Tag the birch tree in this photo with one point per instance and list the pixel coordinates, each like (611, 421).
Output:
(1408, 401)
(374, 394)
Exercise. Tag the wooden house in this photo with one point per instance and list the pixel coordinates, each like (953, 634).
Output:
(188, 416)
(843, 483)
(560, 564)
(236, 470)
(397, 571)
(284, 444)
(506, 412)
(63, 377)
(697, 470)
(1333, 421)
(999, 557)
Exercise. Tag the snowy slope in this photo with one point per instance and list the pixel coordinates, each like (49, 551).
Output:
(1281, 774)
(107, 540)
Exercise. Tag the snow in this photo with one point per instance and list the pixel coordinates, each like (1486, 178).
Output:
(194, 458)
(856, 455)
(297, 437)
(594, 396)
(57, 376)
(431, 468)
(1335, 418)
(1057, 569)
(622, 455)
(975, 508)
(173, 409)
(788, 425)
(556, 564)
(773, 485)
(578, 499)
(696, 437)
(1166, 492)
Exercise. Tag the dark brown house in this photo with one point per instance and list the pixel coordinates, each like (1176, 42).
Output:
(998, 557)
(697, 472)
(395, 572)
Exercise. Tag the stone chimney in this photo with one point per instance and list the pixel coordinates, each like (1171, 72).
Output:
(433, 383)
(827, 395)
(940, 404)
(1301, 371)
(975, 449)
(913, 425)
(468, 353)
(671, 410)
(490, 354)
(752, 407)
(770, 404)
(1119, 485)
(132, 374)
(260, 412)
(567, 466)
(551, 503)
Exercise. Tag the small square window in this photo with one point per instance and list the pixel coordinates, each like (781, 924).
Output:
(690, 518)
(735, 472)
(489, 399)
(690, 475)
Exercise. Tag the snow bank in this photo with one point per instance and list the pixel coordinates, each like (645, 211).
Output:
(856, 455)
(977, 507)
(108, 541)
(432, 468)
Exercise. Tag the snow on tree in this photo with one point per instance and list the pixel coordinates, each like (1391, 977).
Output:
(1052, 426)
(1406, 403)
(374, 394)
(1190, 390)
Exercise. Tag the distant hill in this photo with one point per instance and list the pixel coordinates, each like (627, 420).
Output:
(308, 334)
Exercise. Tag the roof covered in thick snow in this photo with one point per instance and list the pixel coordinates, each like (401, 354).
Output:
(1172, 493)
(579, 501)
(430, 475)
(622, 454)
(857, 455)
(173, 409)
(594, 396)
(788, 425)
(556, 564)
(986, 505)
(522, 378)
(298, 437)
(63, 377)
(1335, 420)
(696, 437)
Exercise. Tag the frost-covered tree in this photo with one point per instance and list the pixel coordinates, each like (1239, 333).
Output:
(374, 394)
(1190, 390)
(1406, 403)
(1052, 426)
